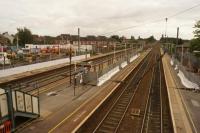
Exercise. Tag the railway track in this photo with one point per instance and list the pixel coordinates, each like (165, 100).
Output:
(157, 115)
(114, 116)
(41, 80)
(145, 93)
(117, 104)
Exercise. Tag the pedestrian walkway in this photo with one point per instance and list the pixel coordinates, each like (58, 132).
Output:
(180, 121)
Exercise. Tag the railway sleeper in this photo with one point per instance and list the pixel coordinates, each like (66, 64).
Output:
(117, 113)
(122, 103)
(120, 107)
(117, 116)
(111, 122)
(113, 119)
(118, 110)
(104, 131)
(109, 127)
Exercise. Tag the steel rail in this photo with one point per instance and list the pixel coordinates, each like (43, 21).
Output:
(120, 96)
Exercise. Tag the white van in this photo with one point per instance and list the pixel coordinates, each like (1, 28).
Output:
(7, 61)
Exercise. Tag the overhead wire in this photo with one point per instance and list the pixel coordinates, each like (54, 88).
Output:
(155, 21)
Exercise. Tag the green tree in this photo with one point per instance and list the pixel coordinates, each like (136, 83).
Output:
(116, 37)
(151, 39)
(197, 30)
(24, 36)
(49, 39)
(195, 43)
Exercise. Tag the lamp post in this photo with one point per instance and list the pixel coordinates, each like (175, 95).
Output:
(70, 62)
(17, 42)
(166, 19)
(114, 52)
(86, 52)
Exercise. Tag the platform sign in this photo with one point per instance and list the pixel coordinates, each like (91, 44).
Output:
(28, 103)
(3, 105)
(35, 105)
(20, 101)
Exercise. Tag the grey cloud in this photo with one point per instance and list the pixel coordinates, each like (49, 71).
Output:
(53, 17)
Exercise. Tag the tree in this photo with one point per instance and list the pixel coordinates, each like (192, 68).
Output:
(24, 36)
(197, 30)
(49, 39)
(116, 37)
(195, 43)
(151, 39)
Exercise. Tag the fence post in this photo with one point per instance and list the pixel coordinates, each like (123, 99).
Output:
(10, 107)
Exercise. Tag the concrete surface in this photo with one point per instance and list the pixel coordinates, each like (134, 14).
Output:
(191, 100)
(181, 122)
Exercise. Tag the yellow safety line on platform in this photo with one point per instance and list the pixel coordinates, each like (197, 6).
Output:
(104, 99)
(60, 123)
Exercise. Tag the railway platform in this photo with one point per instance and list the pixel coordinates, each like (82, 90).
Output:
(15, 74)
(73, 121)
(180, 119)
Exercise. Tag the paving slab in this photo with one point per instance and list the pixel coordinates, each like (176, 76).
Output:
(191, 102)
(180, 120)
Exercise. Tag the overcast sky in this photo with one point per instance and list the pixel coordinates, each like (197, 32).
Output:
(53, 17)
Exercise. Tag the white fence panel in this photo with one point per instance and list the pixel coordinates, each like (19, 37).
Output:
(20, 101)
(28, 103)
(3, 105)
(35, 105)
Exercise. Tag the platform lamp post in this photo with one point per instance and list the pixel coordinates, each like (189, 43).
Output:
(70, 62)
(125, 51)
(114, 51)
(17, 42)
(166, 19)
(86, 52)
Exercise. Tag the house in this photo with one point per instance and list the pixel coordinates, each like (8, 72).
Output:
(3, 40)
(10, 37)
(62, 39)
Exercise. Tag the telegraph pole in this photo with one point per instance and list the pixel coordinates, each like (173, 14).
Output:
(70, 62)
(17, 42)
(78, 41)
(166, 19)
(86, 52)
(177, 35)
(114, 52)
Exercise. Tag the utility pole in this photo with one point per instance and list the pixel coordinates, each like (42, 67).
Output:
(75, 60)
(177, 35)
(125, 51)
(17, 42)
(114, 51)
(74, 85)
(78, 41)
(86, 52)
(166, 19)
(182, 55)
(59, 46)
(70, 62)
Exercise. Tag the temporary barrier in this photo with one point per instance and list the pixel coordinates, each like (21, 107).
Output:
(25, 103)
(16, 103)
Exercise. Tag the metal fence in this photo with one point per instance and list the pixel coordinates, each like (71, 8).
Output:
(189, 60)
(193, 77)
